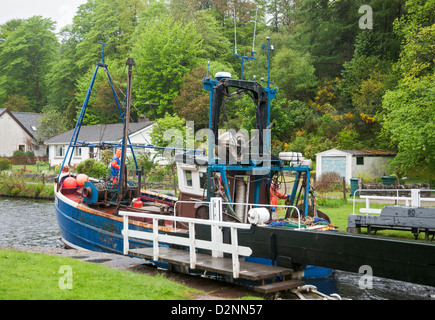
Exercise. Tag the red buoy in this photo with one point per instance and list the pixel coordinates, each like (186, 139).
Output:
(137, 203)
(70, 182)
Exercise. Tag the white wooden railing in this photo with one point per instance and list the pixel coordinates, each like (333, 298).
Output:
(216, 245)
(414, 200)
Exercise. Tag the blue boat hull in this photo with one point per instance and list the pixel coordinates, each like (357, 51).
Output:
(87, 230)
(84, 229)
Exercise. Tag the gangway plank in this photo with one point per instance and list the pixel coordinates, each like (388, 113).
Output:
(221, 265)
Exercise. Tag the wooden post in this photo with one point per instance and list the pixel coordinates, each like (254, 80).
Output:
(192, 248)
(125, 234)
(155, 239)
(344, 188)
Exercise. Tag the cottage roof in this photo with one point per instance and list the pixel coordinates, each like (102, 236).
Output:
(98, 133)
(27, 120)
(359, 153)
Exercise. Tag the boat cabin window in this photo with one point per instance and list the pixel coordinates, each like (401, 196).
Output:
(189, 181)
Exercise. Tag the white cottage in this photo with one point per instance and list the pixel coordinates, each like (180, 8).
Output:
(18, 132)
(112, 133)
(348, 163)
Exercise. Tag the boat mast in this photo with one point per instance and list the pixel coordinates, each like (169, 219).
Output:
(122, 186)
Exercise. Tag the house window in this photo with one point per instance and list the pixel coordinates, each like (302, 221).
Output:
(189, 181)
(359, 160)
(78, 152)
(22, 147)
(60, 151)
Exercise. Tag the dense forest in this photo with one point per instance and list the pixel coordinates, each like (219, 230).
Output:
(350, 74)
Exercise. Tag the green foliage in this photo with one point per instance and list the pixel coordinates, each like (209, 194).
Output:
(409, 106)
(408, 109)
(5, 164)
(169, 131)
(325, 202)
(348, 139)
(92, 168)
(52, 123)
(165, 51)
(25, 56)
(15, 186)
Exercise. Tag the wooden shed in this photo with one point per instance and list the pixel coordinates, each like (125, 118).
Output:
(350, 163)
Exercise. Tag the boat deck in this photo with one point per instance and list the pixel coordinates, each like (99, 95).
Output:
(248, 270)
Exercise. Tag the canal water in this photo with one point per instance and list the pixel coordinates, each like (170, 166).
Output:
(32, 223)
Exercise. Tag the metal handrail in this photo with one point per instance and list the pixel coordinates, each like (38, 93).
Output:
(245, 204)
(397, 198)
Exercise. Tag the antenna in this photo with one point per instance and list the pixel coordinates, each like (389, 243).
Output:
(235, 43)
(269, 49)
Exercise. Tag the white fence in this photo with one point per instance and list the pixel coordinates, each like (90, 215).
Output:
(216, 245)
(414, 200)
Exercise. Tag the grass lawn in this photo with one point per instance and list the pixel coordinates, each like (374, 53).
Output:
(33, 276)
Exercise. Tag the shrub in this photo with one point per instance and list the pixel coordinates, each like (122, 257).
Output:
(5, 164)
(92, 168)
(329, 181)
(19, 154)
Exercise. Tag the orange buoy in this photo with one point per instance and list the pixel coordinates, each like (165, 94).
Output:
(70, 182)
(81, 179)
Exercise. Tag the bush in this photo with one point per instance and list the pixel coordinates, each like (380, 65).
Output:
(19, 154)
(5, 164)
(92, 168)
(329, 181)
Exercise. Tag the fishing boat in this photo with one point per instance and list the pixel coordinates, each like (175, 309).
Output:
(224, 207)
(88, 208)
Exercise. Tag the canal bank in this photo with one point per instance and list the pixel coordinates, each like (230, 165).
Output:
(34, 186)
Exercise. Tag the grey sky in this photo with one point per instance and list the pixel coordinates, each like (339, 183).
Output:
(60, 11)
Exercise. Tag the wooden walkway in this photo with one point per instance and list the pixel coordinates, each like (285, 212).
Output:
(248, 270)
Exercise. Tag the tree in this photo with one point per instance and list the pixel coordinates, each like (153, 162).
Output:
(106, 21)
(17, 103)
(192, 103)
(52, 123)
(165, 51)
(326, 29)
(409, 107)
(294, 74)
(25, 56)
